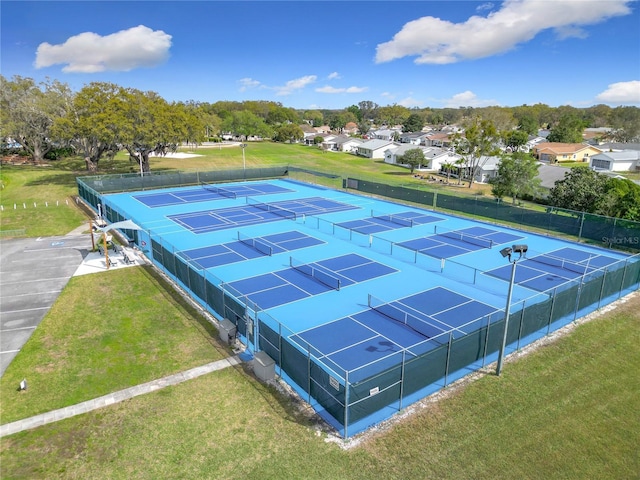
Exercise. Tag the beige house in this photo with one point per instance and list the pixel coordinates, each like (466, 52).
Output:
(552, 152)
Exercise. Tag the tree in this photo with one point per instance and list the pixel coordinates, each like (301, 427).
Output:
(91, 125)
(391, 115)
(314, 116)
(414, 123)
(621, 198)
(580, 190)
(514, 139)
(245, 124)
(148, 124)
(479, 141)
(568, 130)
(28, 111)
(528, 125)
(447, 167)
(625, 122)
(517, 176)
(289, 133)
(414, 157)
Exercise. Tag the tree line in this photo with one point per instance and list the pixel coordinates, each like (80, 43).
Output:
(103, 118)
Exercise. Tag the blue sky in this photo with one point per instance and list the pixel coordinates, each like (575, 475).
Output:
(323, 54)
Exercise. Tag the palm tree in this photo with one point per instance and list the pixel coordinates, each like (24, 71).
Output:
(459, 164)
(447, 166)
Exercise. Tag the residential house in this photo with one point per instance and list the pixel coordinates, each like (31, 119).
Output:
(373, 148)
(434, 157)
(384, 134)
(552, 152)
(341, 143)
(415, 138)
(621, 161)
(348, 144)
(351, 128)
(309, 138)
(438, 139)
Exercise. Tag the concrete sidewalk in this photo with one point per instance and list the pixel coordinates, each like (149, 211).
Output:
(111, 398)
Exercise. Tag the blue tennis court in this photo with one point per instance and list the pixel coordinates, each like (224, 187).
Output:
(364, 312)
(256, 212)
(247, 248)
(447, 244)
(367, 336)
(556, 268)
(306, 279)
(380, 222)
(206, 193)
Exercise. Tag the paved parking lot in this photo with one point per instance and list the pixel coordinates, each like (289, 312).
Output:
(33, 273)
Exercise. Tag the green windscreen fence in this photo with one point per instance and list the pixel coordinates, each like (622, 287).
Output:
(606, 231)
(359, 398)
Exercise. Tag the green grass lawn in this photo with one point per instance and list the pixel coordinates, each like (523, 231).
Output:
(568, 410)
(104, 333)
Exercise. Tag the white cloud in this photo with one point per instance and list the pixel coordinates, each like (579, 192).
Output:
(329, 89)
(333, 76)
(621, 92)
(485, 6)
(89, 52)
(296, 84)
(410, 102)
(437, 41)
(247, 83)
(467, 99)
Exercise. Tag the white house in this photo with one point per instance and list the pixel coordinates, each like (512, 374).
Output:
(348, 144)
(374, 148)
(623, 161)
(434, 157)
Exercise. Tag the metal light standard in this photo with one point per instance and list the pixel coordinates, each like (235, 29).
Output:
(244, 162)
(507, 252)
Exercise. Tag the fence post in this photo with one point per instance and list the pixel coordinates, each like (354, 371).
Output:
(404, 359)
(446, 369)
(346, 403)
(581, 225)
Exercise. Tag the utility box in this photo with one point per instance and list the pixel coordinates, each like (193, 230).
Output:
(227, 331)
(264, 366)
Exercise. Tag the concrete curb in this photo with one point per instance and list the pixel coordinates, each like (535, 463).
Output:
(115, 397)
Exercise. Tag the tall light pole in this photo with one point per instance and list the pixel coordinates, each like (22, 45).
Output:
(244, 162)
(507, 253)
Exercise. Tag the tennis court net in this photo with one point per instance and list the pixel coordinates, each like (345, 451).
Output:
(220, 191)
(394, 313)
(560, 263)
(315, 272)
(466, 238)
(391, 218)
(272, 208)
(257, 244)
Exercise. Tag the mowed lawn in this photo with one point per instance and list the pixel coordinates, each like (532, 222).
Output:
(106, 332)
(568, 410)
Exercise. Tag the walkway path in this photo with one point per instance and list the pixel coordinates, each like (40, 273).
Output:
(116, 397)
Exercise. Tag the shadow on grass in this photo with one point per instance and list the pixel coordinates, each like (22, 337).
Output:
(208, 330)
(290, 406)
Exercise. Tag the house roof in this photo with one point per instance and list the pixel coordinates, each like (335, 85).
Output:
(624, 156)
(376, 144)
(619, 146)
(558, 148)
(550, 174)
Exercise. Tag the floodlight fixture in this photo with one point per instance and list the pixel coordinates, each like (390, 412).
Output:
(506, 252)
